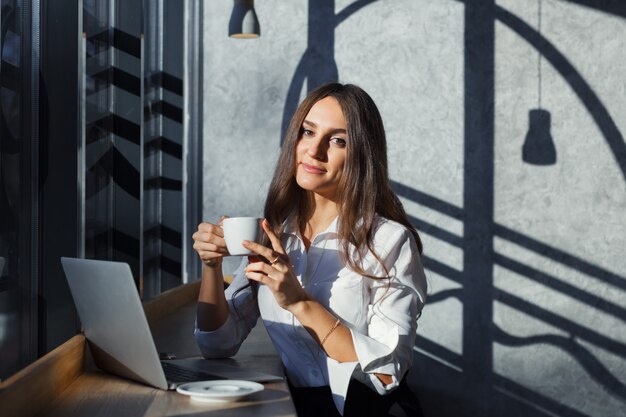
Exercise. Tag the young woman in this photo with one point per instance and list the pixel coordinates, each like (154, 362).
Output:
(339, 281)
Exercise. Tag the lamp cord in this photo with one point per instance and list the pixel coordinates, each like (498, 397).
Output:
(539, 55)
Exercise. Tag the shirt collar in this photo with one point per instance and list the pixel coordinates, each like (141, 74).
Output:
(290, 226)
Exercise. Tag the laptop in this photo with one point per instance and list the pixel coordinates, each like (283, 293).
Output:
(116, 327)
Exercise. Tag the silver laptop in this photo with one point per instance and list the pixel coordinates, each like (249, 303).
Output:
(116, 327)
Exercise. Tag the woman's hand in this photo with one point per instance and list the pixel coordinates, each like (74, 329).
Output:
(209, 242)
(278, 276)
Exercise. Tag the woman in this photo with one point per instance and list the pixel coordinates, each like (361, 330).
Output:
(341, 284)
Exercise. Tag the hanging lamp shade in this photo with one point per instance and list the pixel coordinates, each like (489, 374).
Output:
(538, 148)
(244, 23)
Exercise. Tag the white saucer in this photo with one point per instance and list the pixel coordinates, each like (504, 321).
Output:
(220, 390)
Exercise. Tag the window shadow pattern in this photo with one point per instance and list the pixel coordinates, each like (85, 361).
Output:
(585, 358)
(134, 95)
(467, 383)
(317, 65)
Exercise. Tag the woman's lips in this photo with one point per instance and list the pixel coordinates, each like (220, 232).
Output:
(311, 169)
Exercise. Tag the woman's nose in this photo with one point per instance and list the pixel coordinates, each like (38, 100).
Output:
(316, 149)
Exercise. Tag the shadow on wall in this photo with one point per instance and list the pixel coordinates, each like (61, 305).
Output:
(444, 380)
(317, 65)
(450, 384)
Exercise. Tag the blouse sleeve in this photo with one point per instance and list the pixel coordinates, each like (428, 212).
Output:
(243, 313)
(394, 306)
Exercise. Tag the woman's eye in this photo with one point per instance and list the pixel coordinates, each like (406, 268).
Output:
(338, 142)
(307, 132)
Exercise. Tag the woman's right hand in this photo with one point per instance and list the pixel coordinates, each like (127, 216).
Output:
(209, 243)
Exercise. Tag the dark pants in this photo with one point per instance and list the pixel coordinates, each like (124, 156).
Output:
(361, 402)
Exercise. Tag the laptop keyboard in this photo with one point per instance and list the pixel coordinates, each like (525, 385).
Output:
(176, 373)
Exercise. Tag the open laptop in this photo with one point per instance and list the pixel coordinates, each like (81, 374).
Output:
(116, 327)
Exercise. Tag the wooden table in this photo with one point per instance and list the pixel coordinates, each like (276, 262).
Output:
(95, 393)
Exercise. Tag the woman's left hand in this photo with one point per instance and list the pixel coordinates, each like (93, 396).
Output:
(278, 275)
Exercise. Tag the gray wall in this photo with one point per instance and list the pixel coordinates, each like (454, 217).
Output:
(526, 262)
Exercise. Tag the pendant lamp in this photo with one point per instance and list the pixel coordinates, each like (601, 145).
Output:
(244, 23)
(538, 148)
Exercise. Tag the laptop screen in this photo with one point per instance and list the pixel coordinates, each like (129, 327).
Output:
(113, 319)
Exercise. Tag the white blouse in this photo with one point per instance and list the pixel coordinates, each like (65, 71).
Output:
(381, 314)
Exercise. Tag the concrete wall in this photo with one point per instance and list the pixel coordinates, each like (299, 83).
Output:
(526, 262)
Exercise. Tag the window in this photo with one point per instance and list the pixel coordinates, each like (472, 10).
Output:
(99, 155)
(18, 186)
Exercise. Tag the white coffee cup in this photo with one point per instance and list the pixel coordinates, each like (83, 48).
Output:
(238, 229)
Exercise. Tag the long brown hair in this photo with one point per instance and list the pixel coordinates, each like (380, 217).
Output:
(364, 189)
